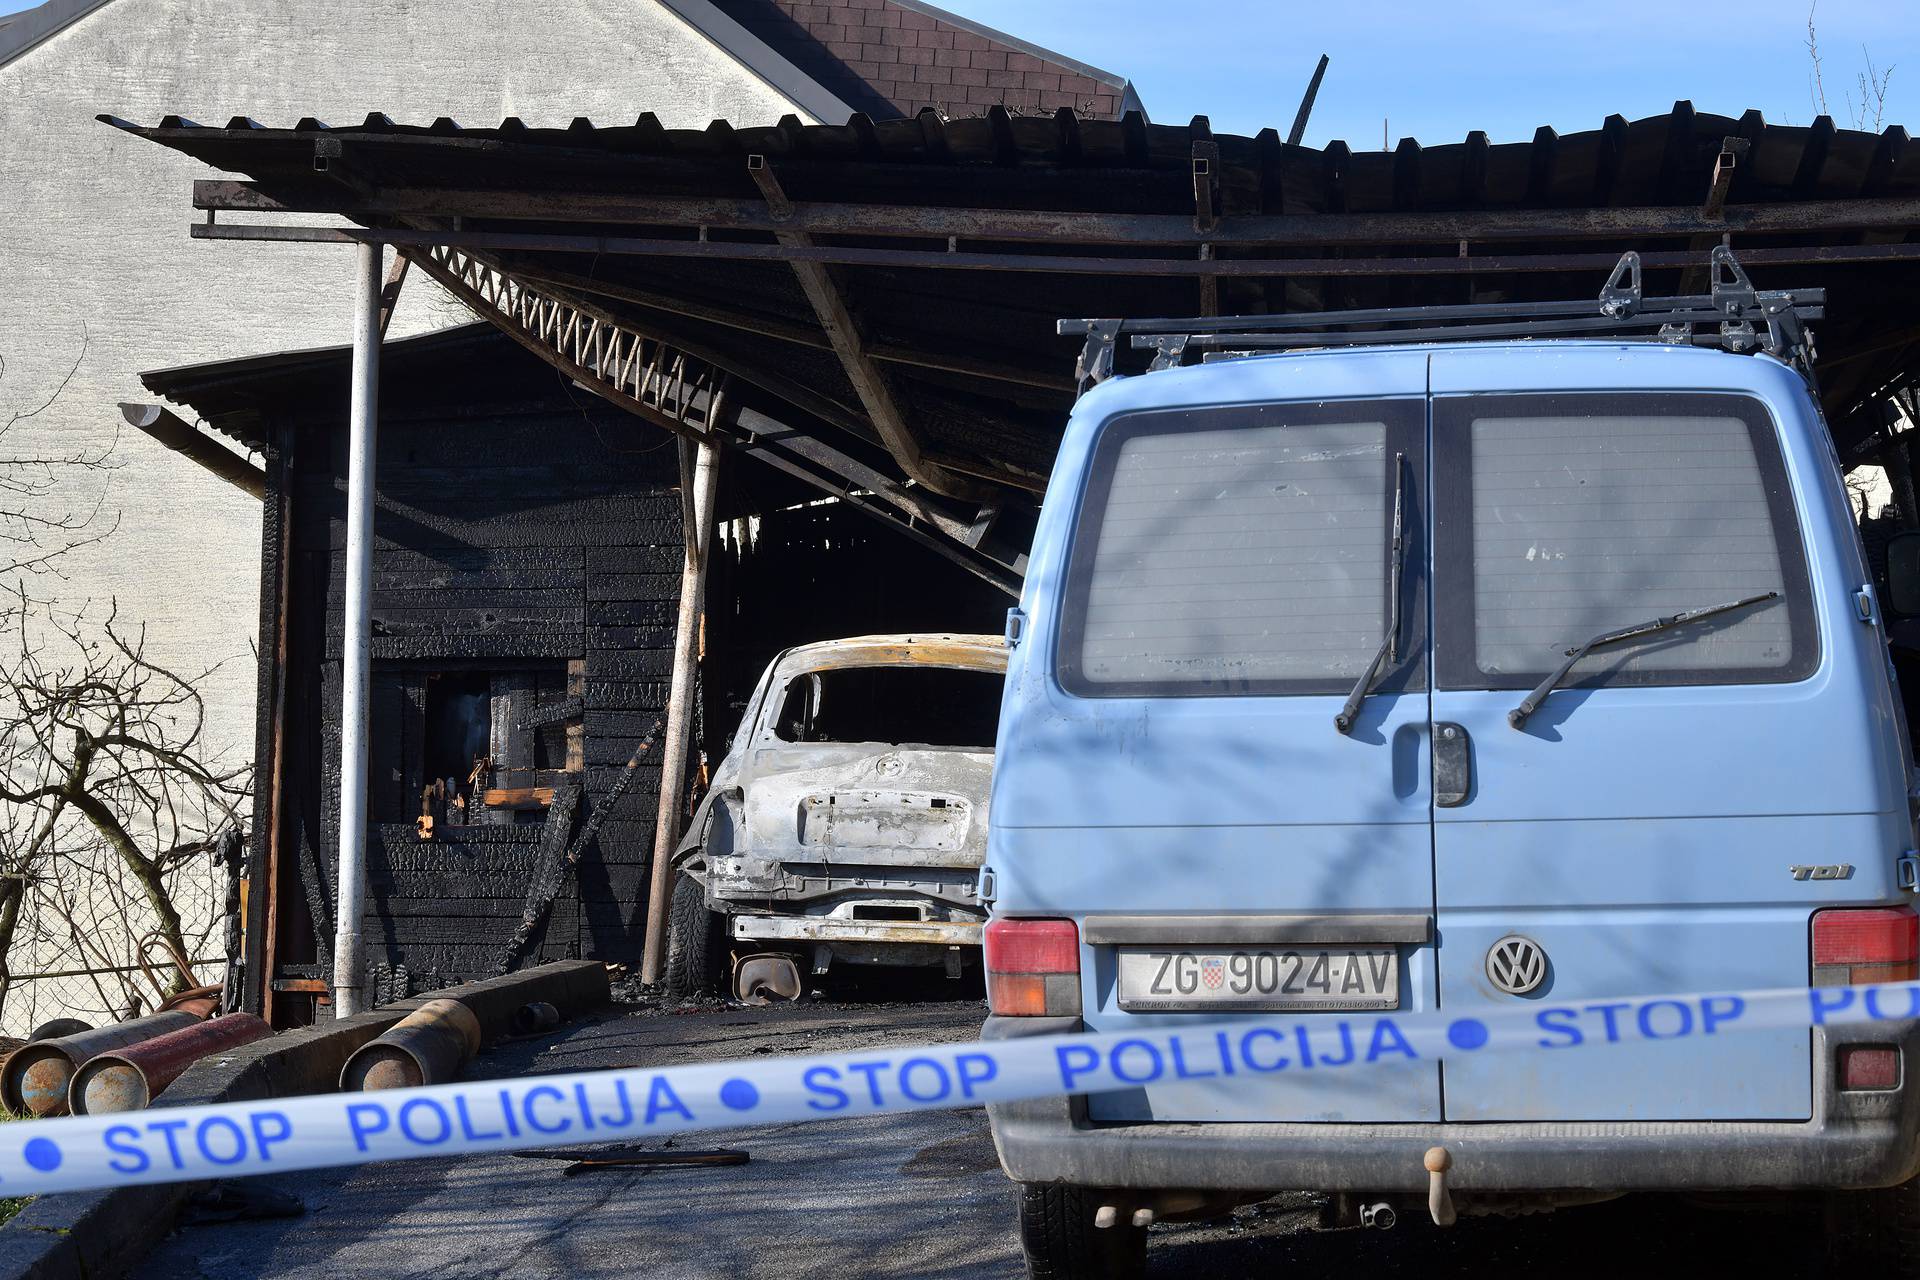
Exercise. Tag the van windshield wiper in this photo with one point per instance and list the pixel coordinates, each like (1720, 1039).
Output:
(1389, 651)
(1531, 703)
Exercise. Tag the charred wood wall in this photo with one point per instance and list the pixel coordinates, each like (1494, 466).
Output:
(510, 541)
(819, 571)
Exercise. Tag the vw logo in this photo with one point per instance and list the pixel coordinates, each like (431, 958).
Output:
(1516, 965)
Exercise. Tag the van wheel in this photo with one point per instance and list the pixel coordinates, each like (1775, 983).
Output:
(1877, 1229)
(696, 943)
(1061, 1242)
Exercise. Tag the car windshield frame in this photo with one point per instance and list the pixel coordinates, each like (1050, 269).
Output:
(782, 683)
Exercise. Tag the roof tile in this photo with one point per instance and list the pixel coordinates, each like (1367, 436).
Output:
(887, 60)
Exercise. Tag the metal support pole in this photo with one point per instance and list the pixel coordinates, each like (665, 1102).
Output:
(356, 650)
(703, 482)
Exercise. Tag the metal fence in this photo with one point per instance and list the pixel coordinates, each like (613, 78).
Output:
(93, 995)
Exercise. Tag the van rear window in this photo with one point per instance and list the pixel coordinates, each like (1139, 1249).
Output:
(1235, 550)
(1565, 516)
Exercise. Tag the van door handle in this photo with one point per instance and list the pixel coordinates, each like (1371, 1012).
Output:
(1452, 765)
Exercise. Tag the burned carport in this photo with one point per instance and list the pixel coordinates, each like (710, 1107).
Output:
(870, 308)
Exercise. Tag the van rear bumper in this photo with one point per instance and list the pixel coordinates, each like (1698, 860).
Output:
(1854, 1140)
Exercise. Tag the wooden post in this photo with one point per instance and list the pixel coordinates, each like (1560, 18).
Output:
(699, 477)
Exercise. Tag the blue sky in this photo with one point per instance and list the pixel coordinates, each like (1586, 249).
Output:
(1434, 69)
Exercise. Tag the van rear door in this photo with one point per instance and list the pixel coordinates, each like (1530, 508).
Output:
(1175, 778)
(1633, 835)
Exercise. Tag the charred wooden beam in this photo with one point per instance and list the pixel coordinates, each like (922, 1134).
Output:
(678, 390)
(843, 332)
(1087, 226)
(787, 331)
(390, 291)
(180, 436)
(1299, 129)
(1044, 263)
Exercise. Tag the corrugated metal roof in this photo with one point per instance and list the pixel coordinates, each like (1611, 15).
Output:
(1585, 193)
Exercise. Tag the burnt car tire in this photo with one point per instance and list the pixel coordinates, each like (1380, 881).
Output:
(1061, 1243)
(1879, 1230)
(696, 943)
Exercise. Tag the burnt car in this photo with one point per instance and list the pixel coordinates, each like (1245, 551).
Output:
(848, 820)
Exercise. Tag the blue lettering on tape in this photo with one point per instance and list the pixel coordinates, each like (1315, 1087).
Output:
(871, 1071)
(1075, 1060)
(1668, 1026)
(824, 1084)
(269, 1127)
(625, 1115)
(1559, 1022)
(1905, 1003)
(663, 1101)
(1828, 1000)
(168, 1130)
(467, 1130)
(1345, 1033)
(365, 1119)
(429, 1132)
(1178, 1051)
(933, 1082)
(220, 1140)
(229, 1140)
(124, 1141)
(1143, 1068)
(1387, 1039)
(1262, 1035)
(1715, 1010)
(974, 1069)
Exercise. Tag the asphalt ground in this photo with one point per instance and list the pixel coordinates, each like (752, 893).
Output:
(890, 1196)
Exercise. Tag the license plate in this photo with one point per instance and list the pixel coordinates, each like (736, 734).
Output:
(1160, 978)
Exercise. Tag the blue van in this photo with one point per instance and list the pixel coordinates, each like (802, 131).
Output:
(1429, 674)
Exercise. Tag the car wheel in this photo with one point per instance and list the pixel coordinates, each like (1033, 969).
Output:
(1875, 1229)
(696, 943)
(1061, 1243)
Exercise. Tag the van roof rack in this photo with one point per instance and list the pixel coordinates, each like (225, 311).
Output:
(1733, 315)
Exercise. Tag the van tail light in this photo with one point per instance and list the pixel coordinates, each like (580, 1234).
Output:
(1033, 968)
(1854, 945)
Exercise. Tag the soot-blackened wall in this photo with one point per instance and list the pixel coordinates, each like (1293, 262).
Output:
(525, 552)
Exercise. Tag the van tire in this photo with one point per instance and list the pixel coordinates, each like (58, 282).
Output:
(1061, 1243)
(696, 943)
(1877, 1229)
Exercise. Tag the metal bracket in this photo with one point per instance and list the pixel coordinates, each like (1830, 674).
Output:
(1169, 350)
(1733, 296)
(1096, 357)
(1617, 299)
(1907, 872)
(1734, 306)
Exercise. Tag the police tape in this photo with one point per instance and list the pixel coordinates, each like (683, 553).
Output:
(224, 1140)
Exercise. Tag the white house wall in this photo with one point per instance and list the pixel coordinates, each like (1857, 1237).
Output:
(94, 253)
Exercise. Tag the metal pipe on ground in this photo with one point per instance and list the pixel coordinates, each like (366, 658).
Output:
(35, 1077)
(572, 986)
(428, 1046)
(129, 1079)
(534, 1017)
